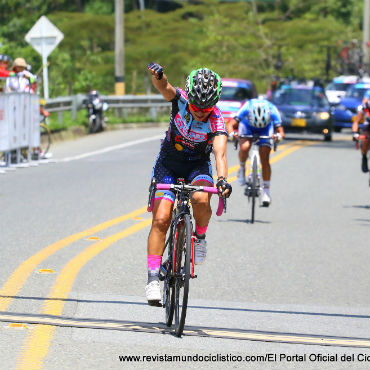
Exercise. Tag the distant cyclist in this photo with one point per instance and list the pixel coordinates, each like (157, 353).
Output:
(196, 127)
(364, 113)
(257, 116)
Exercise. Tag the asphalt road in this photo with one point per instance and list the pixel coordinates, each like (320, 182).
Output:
(291, 291)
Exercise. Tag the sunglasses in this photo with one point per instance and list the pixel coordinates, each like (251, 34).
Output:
(204, 110)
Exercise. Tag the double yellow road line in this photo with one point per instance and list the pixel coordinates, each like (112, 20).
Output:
(37, 342)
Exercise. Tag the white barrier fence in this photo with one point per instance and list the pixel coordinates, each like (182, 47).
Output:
(19, 125)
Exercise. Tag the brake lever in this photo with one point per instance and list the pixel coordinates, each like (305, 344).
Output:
(152, 190)
(224, 200)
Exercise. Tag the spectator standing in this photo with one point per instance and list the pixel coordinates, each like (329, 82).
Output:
(22, 79)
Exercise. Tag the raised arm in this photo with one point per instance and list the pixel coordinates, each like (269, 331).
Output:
(160, 81)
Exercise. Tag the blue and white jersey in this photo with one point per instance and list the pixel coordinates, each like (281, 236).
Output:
(367, 94)
(243, 114)
(245, 128)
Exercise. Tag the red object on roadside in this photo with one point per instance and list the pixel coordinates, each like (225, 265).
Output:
(4, 72)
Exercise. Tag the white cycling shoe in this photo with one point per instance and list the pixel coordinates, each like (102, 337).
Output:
(200, 251)
(266, 200)
(241, 176)
(153, 293)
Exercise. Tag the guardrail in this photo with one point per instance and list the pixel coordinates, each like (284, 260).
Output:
(123, 105)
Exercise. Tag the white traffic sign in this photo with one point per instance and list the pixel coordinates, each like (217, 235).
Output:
(44, 38)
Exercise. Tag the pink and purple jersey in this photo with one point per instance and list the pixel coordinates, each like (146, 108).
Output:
(186, 138)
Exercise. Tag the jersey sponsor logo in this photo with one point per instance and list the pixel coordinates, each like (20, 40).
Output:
(195, 136)
(180, 125)
(168, 180)
(180, 139)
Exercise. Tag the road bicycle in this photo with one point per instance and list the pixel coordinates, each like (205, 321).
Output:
(254, 186)
(178, 268)
(362, 137)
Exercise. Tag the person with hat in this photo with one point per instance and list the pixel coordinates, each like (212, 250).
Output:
(22, 79)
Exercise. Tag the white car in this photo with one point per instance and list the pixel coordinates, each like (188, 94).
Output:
(336, 89)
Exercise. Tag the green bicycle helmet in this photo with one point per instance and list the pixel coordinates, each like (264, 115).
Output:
(203, 88)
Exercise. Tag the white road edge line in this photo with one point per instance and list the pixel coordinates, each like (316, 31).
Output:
(110, 149)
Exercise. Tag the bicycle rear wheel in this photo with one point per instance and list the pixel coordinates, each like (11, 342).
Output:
(254, 189)
(182, 272)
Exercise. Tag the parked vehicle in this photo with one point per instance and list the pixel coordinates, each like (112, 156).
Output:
(346, 111)
(235, 93)
(336, 89)
(96, 108)
(304, 108)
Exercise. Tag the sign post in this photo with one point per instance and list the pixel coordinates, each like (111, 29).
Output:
(44, 38)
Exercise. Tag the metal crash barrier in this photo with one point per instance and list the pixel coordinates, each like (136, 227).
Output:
(19, 129)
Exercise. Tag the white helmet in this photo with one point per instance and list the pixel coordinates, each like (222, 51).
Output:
(259, 114)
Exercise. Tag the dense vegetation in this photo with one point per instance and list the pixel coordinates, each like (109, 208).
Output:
(237, 39)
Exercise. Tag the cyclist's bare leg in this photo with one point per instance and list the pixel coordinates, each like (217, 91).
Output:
(201, 205)
(162, 213)
(365, 146)
(265, 162)
(245, 145)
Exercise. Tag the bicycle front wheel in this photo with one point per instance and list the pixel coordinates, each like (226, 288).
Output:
(169, 286)
(182, 256)
(45, 139)
(254, 189)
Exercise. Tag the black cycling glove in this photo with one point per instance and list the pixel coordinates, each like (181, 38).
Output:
(225, 185)
(156, 68)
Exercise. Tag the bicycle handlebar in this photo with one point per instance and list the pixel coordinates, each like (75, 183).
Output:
(255, 139)
(191, 188)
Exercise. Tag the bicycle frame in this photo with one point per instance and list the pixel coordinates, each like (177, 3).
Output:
(183, 195)
(254, 154)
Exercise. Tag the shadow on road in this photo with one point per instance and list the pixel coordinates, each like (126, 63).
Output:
(244, 221)
(367, 206)
(197, 331)
(279, 312)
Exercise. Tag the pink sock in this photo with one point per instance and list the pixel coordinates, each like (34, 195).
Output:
(154, 263)
(200, 230)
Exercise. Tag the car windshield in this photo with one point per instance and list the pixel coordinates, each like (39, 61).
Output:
(305, 97)
(356, 92)
(337, 86)
(235, 93)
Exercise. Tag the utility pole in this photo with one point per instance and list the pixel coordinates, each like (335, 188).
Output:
(366, 35)
(119, 53)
